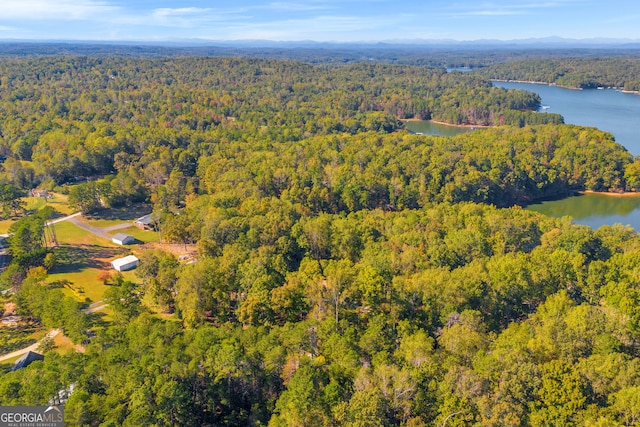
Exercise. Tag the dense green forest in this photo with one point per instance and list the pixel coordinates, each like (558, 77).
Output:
(441, 55)
(480, 315)
(78, 116)
(586, 73)
(348, 273)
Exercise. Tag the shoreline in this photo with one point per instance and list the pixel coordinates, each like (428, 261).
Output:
(536, 83)
(575, 193)
(611, 193)
(462, 126)
(448, 124)
(632, 92)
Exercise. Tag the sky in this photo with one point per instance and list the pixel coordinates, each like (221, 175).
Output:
(317, 20)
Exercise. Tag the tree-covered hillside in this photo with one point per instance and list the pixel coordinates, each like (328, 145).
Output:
(587, 73)
(465, 312)
(344, 273)
(78, 116)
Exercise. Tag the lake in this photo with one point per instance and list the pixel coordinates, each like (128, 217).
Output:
(426, 127)
(594, 210)
(608, 110)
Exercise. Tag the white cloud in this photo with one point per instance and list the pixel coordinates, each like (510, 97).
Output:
(48, 9)
(506, 8)
(324, 28)
(191, 17)
(166, 12)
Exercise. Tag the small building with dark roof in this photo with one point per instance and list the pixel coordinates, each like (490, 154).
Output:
(40, 192)
(28, 358)
(144, 222)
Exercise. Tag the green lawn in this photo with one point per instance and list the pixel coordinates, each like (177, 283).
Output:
(113, 216)
(4, 225)
(143, 236)
(102, 223)
(81, 257)
(6, 365)
(71, 234)
(58, 202)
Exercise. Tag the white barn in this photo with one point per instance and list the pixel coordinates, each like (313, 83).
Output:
(127, 263)
(122, 239)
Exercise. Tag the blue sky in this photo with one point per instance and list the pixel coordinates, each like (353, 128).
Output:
(319, 20)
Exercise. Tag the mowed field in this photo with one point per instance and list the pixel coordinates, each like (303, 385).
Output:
(58, 202)
(81, 257)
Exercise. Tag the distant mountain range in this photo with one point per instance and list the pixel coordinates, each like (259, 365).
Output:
(433, 53)
(537, 43)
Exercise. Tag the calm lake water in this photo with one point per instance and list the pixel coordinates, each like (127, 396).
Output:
(594, 210)
(426, 127)
(608, 110)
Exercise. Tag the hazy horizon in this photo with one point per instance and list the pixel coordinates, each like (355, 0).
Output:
(350, 21)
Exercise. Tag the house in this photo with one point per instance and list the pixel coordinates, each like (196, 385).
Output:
(144, 222)
(40, 192)
(26, 360)
(123, 239)
(10, 321)
(127, 263)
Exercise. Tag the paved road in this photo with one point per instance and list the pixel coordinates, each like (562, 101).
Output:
(91, 229)
(64, 218)
(96, 306)
(118, 227)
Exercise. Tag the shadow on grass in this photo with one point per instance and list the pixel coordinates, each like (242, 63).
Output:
(72, 259)
(59, 283)
(55, 215)
(125, 213)
(97, 320)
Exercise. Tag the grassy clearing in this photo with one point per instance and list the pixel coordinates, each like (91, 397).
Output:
(114, 216)
(83, 285)
(4, 225)
(102, 223)
(7, 364)
(70, 234)
(143, 236)
(81, 257)
(59, 202)
(102, 317)
(62, 344)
